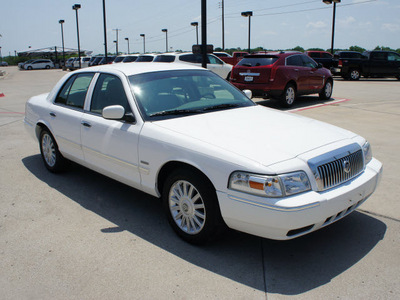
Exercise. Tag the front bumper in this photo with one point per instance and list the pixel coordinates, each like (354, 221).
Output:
(290, 217)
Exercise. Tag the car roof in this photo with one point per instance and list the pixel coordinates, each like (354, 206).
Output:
(144, 67)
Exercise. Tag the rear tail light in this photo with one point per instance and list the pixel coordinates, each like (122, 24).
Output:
(272, 74)
(340, 63)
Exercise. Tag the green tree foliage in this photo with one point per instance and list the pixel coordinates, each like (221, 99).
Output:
(315, 49)
(357, 48)
(297, 48)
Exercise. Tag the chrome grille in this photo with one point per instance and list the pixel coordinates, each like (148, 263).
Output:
(338, 166)
(338, 171)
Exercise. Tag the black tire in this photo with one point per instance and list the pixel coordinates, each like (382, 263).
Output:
(191, 205)
(47, 67)
(29, 68)
(52, 158)
(326, 92)
(354, 74)
(228, 78)
(288, 96)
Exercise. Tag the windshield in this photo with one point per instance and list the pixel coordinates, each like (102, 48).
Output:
(169, 94)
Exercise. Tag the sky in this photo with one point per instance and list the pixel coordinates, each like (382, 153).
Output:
(276, 24)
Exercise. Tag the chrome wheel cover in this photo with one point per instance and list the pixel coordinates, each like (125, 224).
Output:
(328, 89)
(48, 150)
(290, 95)
(187, 207)
(355, 74)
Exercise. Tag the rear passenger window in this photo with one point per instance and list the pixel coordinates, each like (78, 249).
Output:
(74, 90)
(294, 60)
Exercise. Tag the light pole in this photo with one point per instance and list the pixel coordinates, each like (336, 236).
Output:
(223, 24)
(62, 37)
(196, 24)
(166, 38)
(204, 33)
(248, 14)
(117, 39)
(76, 7)
(144, 42)
(105, 29)
(127, 39)
(116, 49)
(333, 19)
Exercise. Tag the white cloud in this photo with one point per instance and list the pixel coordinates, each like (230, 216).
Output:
(347, 21)
(316, 25)
(391, 27)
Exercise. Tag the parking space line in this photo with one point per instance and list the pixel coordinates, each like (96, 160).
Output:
(319, 105)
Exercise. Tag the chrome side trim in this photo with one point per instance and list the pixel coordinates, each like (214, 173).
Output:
(273, 207)
(249, 74)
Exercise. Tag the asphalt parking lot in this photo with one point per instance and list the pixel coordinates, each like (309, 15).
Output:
(80, 235)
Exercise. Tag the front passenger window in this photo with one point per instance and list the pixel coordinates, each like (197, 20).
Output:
(108, 91)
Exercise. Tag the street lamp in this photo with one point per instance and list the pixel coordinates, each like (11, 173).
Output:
(116, 43)
(127, 39)
(333, 19)
(166, 38)
(144, 42)
(196, 24)
(248, 14)
(76, 7)
(62, 37)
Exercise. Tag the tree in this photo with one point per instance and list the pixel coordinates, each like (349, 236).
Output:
(315, 49)
(298, 48)
(357, 48)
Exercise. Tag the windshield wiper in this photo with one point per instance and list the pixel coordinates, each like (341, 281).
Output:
(221, 106)
(176, 112)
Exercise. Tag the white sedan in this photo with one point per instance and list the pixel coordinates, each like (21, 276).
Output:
(214, 63)
(215, 158)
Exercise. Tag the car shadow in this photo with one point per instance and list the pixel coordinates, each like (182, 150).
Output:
(283, 267)
(301, 102)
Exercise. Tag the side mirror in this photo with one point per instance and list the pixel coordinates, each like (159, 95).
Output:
(113, 112)
(248, 93)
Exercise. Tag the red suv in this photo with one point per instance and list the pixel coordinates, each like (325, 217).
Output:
(282, 75)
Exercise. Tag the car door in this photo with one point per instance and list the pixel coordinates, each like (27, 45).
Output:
(217, 66)
(66, 113)
(394, 63)
(379, 64)
(296, 71)
(315, 79)
(111, 146)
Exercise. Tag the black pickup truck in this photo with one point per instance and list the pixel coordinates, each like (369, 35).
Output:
(352, 65)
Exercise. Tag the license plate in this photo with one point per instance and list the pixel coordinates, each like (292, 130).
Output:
(248, 78)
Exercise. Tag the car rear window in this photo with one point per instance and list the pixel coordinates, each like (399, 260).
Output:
(258, 60)
(145, 58)
(164, 58)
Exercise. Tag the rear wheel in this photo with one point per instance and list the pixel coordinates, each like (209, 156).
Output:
(289, 95)
(52, 158)
(191, 205)
(326, 92)
(354, 74)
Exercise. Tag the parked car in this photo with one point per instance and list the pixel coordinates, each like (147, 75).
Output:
(84, 62)
(231, 59)
(119, 59)
(184, 134)
(213, 62)
(324, 58)
(282, 75)
(130, 58)
(3, 64)
(108, 60)
(145, 58)
(95, 61)
(39, 64)
(21, 64)
(69, 63)
(353, 65)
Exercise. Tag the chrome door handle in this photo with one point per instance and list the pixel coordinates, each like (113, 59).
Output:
(53, 114)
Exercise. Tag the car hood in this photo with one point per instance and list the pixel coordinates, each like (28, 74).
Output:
(263, 135)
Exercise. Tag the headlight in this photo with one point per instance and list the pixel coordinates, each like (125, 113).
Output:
(270, 186)
(367, 152)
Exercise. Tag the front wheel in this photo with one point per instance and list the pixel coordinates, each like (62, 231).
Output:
(326, 92)
(289, 95)
(52, 158)
(191, 205)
